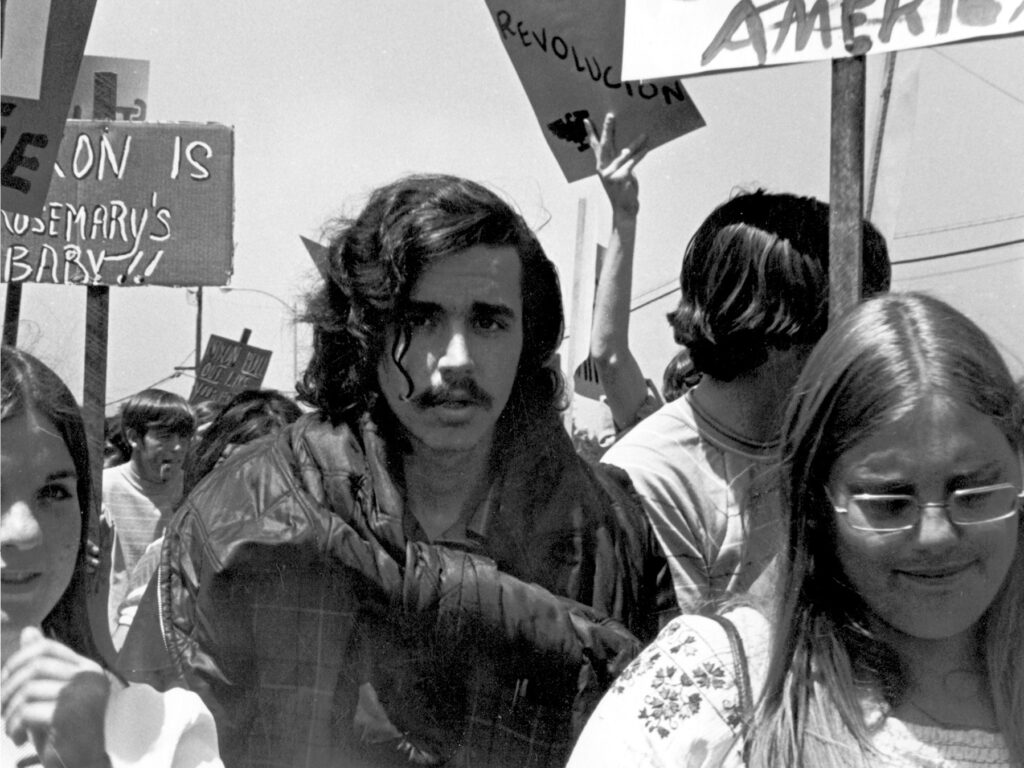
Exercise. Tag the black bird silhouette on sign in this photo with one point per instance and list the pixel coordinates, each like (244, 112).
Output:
(571, 129)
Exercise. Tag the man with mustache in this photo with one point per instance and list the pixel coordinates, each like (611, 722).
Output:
(422, 571)
(140, 495)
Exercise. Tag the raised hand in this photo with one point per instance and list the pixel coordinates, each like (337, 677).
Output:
(614, 167)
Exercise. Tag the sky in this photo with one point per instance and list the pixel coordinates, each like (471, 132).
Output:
(329, 99)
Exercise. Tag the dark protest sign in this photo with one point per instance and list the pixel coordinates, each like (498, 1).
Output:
(130, 204)
(567, 55)
(671, 38)
(228, 367)
(42, 49)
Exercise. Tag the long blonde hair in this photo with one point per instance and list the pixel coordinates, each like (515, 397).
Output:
(874, 366)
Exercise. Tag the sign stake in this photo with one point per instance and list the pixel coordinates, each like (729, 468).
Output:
(846, 189)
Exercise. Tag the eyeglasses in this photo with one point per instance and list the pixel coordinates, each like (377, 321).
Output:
(892, 512)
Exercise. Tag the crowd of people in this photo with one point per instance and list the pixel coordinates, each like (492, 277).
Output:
(804, 551)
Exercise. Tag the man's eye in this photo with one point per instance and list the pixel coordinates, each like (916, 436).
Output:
(420, 320)
(490, 324)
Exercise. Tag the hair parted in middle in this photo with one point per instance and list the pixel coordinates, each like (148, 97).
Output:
(30, 385)
(878, 364)
(755, 277)
(375, 260)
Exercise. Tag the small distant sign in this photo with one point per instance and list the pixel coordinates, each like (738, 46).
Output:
(130, 204)
(110, 88)
(227, 368)
(42, 47)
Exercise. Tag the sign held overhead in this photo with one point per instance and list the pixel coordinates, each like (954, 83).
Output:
(130, 204)
(672, 38)
(567, 56)
(42, 47)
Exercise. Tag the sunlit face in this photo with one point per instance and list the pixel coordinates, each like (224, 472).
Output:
(158, 455)
(937, 579)
(467, 335)
(41, 523)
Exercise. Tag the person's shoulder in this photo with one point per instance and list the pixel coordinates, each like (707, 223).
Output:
(657, 439)
(676, 703)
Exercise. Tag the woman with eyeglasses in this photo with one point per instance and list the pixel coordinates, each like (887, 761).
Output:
(897, 633)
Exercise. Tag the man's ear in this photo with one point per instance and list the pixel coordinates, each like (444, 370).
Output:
(133, 437)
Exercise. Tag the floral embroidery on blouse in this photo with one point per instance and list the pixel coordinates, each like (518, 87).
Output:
(680, 685)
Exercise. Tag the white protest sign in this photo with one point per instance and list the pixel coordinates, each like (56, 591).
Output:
(567, 56)
(665, 38)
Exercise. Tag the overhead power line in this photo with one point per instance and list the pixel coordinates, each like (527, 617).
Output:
(933, 257)
(972, 73)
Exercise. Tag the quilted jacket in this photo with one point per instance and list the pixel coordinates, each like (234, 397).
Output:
(294, 596)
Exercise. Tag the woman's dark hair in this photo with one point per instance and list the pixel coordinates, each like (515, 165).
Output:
(29, 385)
(755, 277)
(375, 260)
(246, 417)
(116, 449)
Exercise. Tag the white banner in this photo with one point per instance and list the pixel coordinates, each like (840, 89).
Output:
(671, 38)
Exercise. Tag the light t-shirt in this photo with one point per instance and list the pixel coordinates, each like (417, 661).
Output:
(712, 497)
(134, 515)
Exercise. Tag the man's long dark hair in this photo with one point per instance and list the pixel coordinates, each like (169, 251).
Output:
(374, 262)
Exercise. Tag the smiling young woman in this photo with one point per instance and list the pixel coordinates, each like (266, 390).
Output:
(60, 706)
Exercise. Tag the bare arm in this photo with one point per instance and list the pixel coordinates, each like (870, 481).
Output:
(624, 384)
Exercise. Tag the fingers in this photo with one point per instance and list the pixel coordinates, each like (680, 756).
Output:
(603, 146)
(40, 659)
(92, 557)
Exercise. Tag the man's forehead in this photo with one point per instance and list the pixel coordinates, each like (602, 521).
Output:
(476, 275)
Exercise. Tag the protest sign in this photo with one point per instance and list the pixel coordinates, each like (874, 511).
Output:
(41, 50)
(567, 55)
(671, 38)
(227, 368)
(111, 88)
(130, 204)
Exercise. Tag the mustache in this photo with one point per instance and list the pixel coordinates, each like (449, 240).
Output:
(462, 391)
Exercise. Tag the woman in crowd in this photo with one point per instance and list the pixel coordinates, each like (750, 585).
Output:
(897, 634)
(245, 417)
(60, 707)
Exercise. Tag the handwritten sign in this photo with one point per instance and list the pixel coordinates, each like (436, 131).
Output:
(672, 38)
(567, 56)
(42, 49)
(130, 204)
(228, 367)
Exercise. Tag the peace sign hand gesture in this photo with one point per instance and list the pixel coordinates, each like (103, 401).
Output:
(616, 168)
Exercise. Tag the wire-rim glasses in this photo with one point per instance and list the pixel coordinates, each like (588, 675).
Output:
(894, 512)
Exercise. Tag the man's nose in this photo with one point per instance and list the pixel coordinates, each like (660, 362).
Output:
(19, 527)
(456, 357)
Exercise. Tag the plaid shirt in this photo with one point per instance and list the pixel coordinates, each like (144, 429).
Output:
(293, 590)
